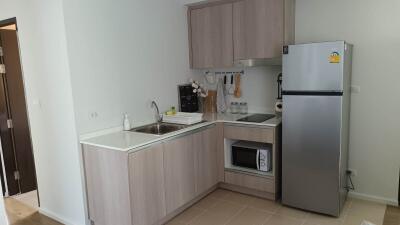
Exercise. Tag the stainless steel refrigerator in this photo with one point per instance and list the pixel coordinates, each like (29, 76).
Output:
(315, 125)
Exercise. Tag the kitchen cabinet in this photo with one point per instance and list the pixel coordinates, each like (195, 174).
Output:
(246, 180)
(179, 172)
(223, 32)
(107, 185)
(258, 29)
(152, 184)
(211, 37)
(205, 145)
(248, 133)
(147, 186)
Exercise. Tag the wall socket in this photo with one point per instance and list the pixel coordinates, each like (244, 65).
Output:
(353, 172)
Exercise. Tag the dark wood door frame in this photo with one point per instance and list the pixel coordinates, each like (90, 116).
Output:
(11, 21)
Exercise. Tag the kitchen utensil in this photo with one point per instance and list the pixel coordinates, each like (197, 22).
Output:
(210, 101)
(231, 87)
(238, 91)
(225, 89)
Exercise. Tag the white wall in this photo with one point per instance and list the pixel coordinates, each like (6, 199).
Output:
(374, 29)
(47, 81)
(3, 216)
(122, 55)
(258, 84)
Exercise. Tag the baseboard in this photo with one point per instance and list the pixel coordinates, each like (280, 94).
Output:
(373, 198)
(55, 217)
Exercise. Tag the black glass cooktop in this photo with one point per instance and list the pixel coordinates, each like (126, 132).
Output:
(257, 118)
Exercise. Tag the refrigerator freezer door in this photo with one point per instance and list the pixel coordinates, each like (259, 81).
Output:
(314, 67)
(311, 151)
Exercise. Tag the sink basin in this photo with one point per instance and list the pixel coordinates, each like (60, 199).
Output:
(159, 128)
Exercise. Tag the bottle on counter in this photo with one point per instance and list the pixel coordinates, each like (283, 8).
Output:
(127, 124)
(234, 108)
(243, 108)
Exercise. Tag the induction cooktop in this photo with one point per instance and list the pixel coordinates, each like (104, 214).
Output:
(257, 118)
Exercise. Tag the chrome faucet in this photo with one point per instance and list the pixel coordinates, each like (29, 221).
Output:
(158, 115)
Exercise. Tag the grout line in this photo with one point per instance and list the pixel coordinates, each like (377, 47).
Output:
(194, 218)
(237, 213)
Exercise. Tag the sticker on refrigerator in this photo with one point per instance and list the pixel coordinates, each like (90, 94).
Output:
(334, 57)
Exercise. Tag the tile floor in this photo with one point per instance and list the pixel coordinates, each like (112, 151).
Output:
(223, 207)
(392, 216)
(29, 198)
(22, 214)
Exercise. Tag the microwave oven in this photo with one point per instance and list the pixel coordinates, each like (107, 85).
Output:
(252, 155)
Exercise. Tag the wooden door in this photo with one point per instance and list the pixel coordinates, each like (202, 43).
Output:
(9, 159)
(211, 37)
(205, 145)
(258, 28)
(14, 86)
(179, 172)
(147, 187)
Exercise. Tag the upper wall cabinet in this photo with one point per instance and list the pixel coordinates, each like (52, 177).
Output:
(223, 32)
(210, 34)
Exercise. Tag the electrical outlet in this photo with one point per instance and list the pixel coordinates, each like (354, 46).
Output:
(93, 115)
(355, 89)
(353, 172)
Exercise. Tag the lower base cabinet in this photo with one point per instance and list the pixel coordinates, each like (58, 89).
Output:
(151, 185)
(206, 154)
(147, 187)
(179, 172)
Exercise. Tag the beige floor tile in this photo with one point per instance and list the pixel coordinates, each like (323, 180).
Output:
(209, 218)
(292, 212)
(174, 222)
(226, 209)
(283, 220)
(357, 220)
(188, 215)
(250, 216)
(346, 206)
(392, 216)
(206, 202)
(366, 210)
(238, 198)
(219, 193)
(317, 219)
(263, 204)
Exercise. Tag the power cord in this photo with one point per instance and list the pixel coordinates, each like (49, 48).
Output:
(351, 187)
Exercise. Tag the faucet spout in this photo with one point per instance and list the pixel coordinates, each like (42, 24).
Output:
(158, 115)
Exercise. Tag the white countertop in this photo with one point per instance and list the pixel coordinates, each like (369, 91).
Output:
(129, 141)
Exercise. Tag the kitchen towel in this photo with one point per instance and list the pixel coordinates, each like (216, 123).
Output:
(221, 102)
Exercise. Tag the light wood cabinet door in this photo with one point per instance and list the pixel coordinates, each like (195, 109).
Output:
(147, 186)
(205, 145)
(258, 28)
(107, 193)
(179, 172)
(210, 37)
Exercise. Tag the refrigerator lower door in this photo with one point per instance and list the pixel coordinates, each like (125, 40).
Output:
(311, 152)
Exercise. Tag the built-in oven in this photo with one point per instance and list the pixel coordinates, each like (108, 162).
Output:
(252, 155)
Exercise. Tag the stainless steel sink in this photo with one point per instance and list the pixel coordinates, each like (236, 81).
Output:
(159, 128)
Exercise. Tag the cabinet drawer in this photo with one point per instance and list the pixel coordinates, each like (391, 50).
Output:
(252, 182)
(265, 135)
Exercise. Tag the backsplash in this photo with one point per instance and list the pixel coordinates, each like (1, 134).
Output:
(258, 84)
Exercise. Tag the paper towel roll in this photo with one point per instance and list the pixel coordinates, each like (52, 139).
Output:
(278, 106)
